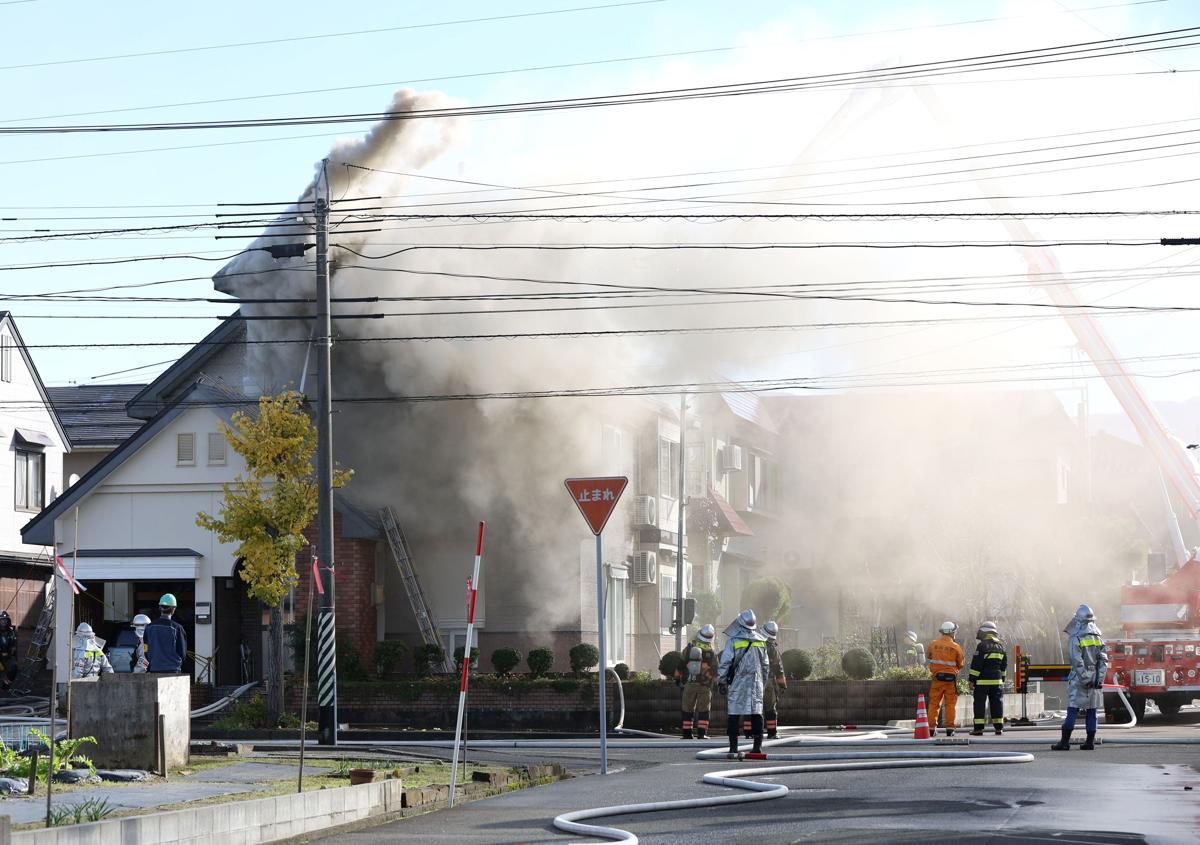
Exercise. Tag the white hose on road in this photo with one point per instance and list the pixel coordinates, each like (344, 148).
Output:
(753, 790)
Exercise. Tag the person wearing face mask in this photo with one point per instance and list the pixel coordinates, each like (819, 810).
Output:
(88, 658)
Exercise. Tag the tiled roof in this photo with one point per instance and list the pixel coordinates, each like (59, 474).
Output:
(94, 414)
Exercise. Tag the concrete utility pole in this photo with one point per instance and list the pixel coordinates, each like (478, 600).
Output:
(326, 636)
(679, 539)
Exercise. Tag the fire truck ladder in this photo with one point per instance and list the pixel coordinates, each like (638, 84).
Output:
(408, 574)
(36, 650)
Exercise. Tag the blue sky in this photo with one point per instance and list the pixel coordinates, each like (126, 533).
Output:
(100, 179)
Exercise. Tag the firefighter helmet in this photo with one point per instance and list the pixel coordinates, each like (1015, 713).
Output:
(1084, 614)
(948, 627)
(747, 619)
(707, 633)
(771, 629)
(986, 628)
(140, 622)
(5, 619)
(911, 636)
(168, 600)
(84, 630)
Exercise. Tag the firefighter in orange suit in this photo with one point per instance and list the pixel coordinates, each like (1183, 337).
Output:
(696, 674)
(944, 657)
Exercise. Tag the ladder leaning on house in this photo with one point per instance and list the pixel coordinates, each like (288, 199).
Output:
(408, 574)
(36, 650)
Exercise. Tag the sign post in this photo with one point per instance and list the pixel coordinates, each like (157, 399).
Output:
(472, 593)
(596, 499)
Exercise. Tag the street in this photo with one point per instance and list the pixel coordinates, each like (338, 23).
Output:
(1119, 793)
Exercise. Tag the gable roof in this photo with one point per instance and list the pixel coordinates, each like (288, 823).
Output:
(6, 319)
(357, 522)
(152, 398)
(94, 414)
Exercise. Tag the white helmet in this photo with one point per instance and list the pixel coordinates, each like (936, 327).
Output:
(911, 636)
(707, 633)
(771, 629)
(747, 619)
(84, 630)
(140, 622)
(986, 628)
(948, 627)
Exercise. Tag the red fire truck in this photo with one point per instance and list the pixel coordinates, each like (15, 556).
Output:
(1158, 656)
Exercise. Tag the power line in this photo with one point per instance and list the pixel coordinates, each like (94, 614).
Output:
(1147, 42)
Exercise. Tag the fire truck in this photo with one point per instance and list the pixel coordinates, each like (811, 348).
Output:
(1158, 657)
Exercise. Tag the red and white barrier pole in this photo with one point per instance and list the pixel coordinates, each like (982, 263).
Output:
(472, 592)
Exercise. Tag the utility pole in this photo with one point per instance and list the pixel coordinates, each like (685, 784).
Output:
(679, 538)
(326, 636)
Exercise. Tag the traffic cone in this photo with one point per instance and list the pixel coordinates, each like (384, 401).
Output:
(921, 730)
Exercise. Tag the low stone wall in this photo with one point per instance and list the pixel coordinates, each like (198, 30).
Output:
(571, 705)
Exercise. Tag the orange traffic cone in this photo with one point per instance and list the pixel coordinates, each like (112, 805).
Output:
(921, 730)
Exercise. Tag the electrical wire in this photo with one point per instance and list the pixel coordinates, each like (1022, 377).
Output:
(1146, 42)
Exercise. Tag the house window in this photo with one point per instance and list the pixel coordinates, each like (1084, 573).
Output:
(614, 617)
(216, 449)
(5, 358)
(30, 480)
(761, 476)
(666, 595)
(668, 468)
(185, 450)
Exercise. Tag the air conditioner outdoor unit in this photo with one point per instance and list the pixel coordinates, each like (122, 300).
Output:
(731, 458)
(645, 568)
(645, 511)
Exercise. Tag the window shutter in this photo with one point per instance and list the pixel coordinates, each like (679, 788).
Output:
(5, 358)
(216, 448)
(185, 449)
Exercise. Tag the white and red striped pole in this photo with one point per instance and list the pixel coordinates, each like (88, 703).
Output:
(472, 592)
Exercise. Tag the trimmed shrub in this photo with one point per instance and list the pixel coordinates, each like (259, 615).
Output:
(350, 666)
(904, 673)
(458, 658)
(669, 663)
(858, 664)
(426, 656)
(622, 670)
(797, 663)
(504, 660)
(539, 661)
(769, 597)
(388, 656)
(583, 657)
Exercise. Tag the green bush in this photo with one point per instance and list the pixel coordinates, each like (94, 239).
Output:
(858, 664)
(540, 660)
(504, 660)
(828, 662)
(583, 657)
(797, 663)
(769, 597)
(669, 663)
(458, 658)
(388, 655)
(349, 664)
(426, 656)
(904, 673)
(622, 670)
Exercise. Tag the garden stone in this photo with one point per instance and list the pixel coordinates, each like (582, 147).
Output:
(122, 775)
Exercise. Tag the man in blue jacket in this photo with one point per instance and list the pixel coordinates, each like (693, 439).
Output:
(165, 640)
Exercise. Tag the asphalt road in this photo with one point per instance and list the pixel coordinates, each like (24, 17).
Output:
(1117, 794)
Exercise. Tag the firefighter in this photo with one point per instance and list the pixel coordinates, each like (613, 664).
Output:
(914, 652)
(776, 681)
(9, 659)
(88, 659)
(743, 671)
(1089, 663)
(986, 678)
(945, 661)
(141, 655)
(696, 675)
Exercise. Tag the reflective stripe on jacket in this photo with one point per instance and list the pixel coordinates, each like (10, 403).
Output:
(990, 663)
(945, 655)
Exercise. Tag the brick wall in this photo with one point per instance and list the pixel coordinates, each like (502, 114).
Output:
(648, 706)
(356, 611)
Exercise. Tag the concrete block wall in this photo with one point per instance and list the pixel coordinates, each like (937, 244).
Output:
(253, 822)
(120, 711)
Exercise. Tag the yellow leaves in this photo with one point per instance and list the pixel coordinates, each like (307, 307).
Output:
(267, 510)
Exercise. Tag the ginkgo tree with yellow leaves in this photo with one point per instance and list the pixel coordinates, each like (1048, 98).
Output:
(266, 509)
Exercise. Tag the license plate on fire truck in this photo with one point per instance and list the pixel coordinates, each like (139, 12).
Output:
(1148, 678)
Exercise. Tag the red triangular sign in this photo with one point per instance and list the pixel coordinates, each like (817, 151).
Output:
(596, 498)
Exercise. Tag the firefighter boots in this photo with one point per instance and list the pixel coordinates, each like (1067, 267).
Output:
(1064, 744)
(977, 732)
(949, 731)
(1090, 743)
